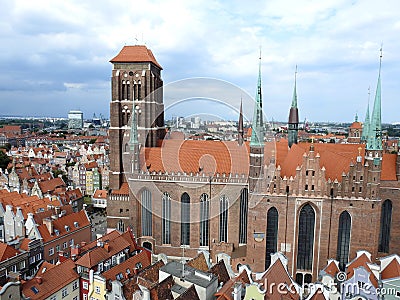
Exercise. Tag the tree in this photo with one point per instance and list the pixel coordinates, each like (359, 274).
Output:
(4, 160)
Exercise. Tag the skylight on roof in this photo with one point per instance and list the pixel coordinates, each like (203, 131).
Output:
(34, 290)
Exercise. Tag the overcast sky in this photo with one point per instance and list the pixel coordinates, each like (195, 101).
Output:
(55, 54)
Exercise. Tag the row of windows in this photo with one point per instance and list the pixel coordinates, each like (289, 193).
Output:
(146, 217)
(58, 247)
(305, 238)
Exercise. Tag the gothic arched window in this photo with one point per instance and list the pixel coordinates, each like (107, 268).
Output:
(244, 200)
(166, 219)
(223, 219)
(204, 219)
(386, 223)
(343, 243)
(271, 240)
(185, 219)
(305, 239)
(147, 216)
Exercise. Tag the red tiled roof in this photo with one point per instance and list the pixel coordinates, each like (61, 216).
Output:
(60, 223)
(100, 194)
(356, 125)
(199, 262)
(226, 291)
(332, 269)
(7, 251)
(361, 261)
(392, 270)
(124, 190)
(137, 53)
(53, 280)
(130, 264)
(50, 185)
(99, 254)
(389, 167)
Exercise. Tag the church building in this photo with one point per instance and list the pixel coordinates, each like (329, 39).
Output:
(248, 199)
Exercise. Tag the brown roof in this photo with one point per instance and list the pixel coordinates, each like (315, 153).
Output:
(199, 262)
(277, 273)
(137, 53)
(219, 270)
(189, 294)
(61, 223)
(7, 251)
(124, 190)
(91, 165)
(53, 280)
(226, 291)
(356, 125)
(149, 276)
(162, 290)
(129, 264)
(361, 261)
(389, 167)
(51, 185)
(318, 295)
(99, 254)
(332, 269)
(392, 270)
(100, 194)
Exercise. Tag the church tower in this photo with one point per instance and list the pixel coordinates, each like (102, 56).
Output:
(136, 88)
(365, 128)
(293, 124)
(257, 141)
(373, 150)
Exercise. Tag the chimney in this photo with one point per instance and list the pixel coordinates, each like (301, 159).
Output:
(107, 247)
(49, 224)
(57, 210)
(39, 280)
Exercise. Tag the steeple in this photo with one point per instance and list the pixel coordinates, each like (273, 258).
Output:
(374, 141)
(256, 168)
(240, 125)
(293, 124)
(356, 118)
(257, 128)
(366, 125)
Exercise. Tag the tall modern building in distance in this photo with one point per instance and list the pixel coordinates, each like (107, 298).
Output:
(248, 199)
(75, 119)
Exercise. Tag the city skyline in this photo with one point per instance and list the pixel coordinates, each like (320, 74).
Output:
(57, 54)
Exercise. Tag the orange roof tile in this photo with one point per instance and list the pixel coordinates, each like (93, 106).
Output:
(361, 261)
(100, 194)
(199, 262)
(124, 190)
(332, 269)
(130, 264)
(356, 125)
(392, 270)
(51, 185)
(61, 223)
(53, 280)
(389, 167)
(137, 53)
(7, 251)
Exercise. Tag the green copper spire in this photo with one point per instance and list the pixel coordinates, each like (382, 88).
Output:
(374, 141)
(257, 128)
(366, 125)
(356, 118)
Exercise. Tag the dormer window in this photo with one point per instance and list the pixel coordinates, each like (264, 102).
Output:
(67, 228)
(138, 265)
(57, 232)
(76, 224)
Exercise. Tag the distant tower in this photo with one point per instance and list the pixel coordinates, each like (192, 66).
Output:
(136, 85)
(240, 126)
(374, 151)
(355, 132)
(293, 124)
(257, 140)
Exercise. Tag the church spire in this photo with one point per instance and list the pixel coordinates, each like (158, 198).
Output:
(293, 124)
(240, 125)
(374, 141)
(257, 128)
